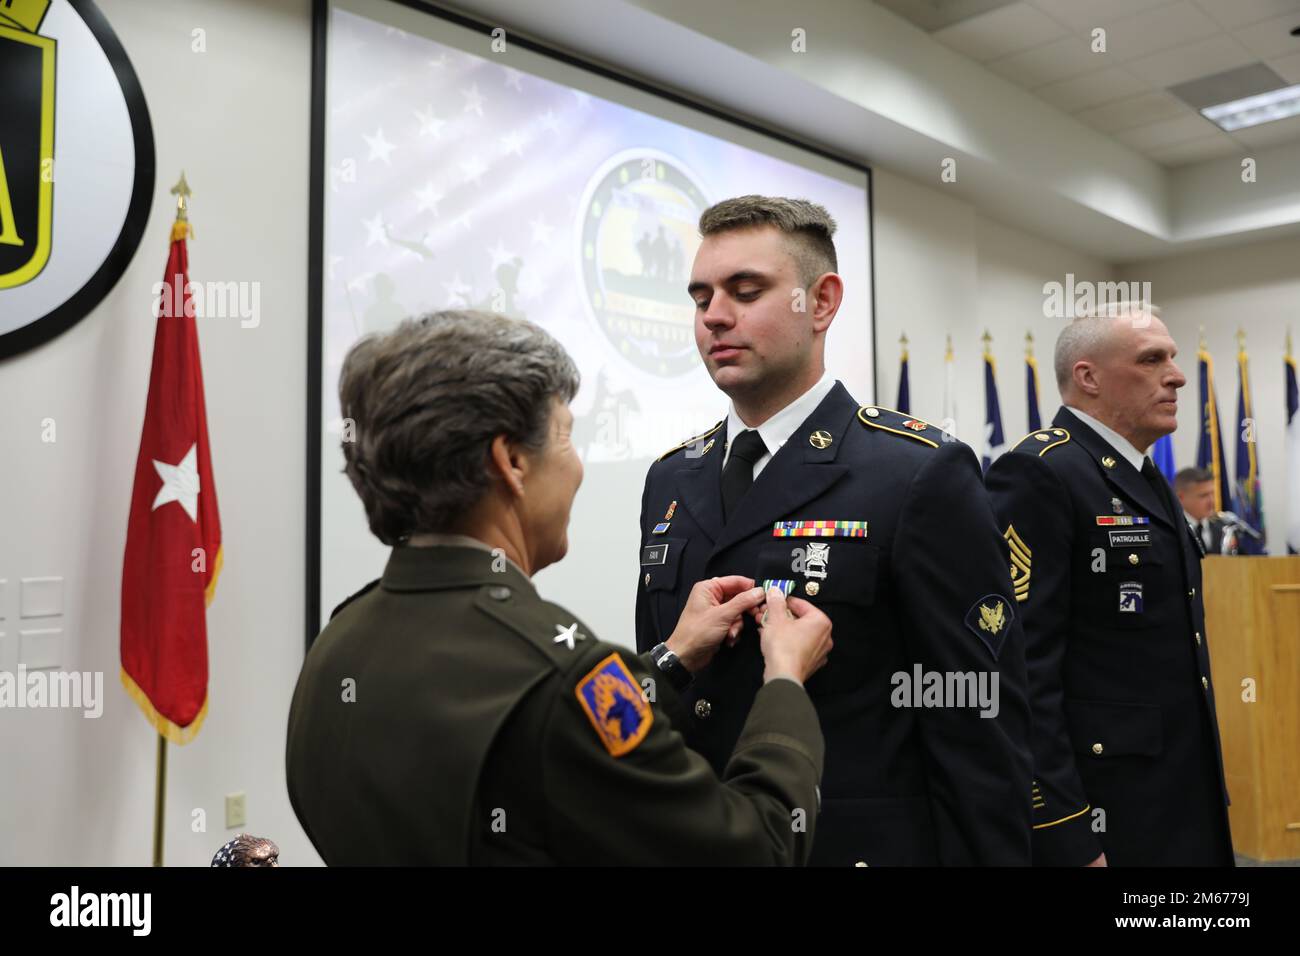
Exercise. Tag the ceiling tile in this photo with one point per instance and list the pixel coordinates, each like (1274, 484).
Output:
(1159, 29)
(1086, 14)
(1167, 132)
(1141, 110)
(1195, 150)
(1071, 56)
(1092, 89)
(1287, 67)
(1202, 58)
(1271, 37)
(1270, 134)
(1001, 32)
(1238, 13)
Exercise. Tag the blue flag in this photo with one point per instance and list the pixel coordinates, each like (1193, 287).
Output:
(995, 443)
(1209, 449)
(1248, 500)
(1031, 393)
(1162, 453)
(904, 403)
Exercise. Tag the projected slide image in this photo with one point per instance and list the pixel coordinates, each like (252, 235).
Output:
(459, 179)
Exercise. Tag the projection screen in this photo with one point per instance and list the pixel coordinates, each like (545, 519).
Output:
(449, 175)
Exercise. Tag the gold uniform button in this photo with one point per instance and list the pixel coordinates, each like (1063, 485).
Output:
(703, 708)
(1132, 559)
(811, 588)
(1097, 749)
(872, 413)
(1205, 682)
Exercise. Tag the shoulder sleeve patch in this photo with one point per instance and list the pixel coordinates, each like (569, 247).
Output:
(887, 419)
(612, 701)
(691, 441)
(1043, 440)
(365, 590)
(990, 619)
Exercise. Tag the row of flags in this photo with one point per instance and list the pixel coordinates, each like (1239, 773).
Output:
(1242, 495)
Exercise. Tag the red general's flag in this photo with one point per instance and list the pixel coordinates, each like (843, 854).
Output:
(173, 535)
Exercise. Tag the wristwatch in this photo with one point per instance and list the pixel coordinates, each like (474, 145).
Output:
(672, 666)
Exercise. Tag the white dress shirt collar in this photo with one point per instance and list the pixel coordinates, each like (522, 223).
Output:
(1112, 438)
(776, 431)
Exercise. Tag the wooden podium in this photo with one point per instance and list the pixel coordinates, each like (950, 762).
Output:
(1252, 623)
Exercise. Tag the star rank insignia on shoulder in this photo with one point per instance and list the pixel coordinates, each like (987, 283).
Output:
(696, 446)
(900, 423)
(1042, 441)
(616, 706)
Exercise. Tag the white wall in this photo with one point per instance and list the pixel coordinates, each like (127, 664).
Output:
(1255, 288)
(942, 269)
(80, 791)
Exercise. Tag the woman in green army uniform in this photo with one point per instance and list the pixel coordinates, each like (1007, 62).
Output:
(449, 714)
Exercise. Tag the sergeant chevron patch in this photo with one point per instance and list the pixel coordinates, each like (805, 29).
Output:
(1021, 561)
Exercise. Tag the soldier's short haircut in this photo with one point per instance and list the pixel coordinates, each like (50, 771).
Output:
(1192, 476)
(808, 227)
(1086, 336)
(425, 401)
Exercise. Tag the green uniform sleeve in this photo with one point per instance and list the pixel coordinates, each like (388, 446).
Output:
(659, 803)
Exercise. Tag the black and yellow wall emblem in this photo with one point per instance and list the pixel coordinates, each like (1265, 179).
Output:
(26, 141)
(76, 166)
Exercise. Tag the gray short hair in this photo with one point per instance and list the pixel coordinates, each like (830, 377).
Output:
(427, 398)
(808, 226)
(1086, 335)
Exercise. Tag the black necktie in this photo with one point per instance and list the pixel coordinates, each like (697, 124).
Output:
(1158, 484)
(746, 449)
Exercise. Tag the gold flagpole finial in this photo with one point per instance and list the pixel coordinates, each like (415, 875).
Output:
(1203, 348)
(1029, 345)
(987, 339)
(902, 341)
(1241, 339)
(182, 192)
(181, 228)
(1288, 343)
(947, 353)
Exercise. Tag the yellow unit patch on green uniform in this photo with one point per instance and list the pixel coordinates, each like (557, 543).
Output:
(613, 702)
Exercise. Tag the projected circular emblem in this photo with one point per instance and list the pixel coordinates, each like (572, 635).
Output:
(76, 166)
(637, 239)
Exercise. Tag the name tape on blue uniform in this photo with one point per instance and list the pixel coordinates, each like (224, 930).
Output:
(654, 554)
(819, 529)
(1130, 539)
(613, 702)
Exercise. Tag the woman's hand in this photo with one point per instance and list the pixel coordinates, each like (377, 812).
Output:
(795, 638)
(713, 613)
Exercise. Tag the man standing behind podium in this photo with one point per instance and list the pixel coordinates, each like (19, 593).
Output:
(1127, 768)
(876, 518)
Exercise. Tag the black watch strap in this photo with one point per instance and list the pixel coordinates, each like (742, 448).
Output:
(672, 667)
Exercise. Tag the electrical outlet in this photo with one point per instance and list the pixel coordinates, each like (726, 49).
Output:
(236, 813)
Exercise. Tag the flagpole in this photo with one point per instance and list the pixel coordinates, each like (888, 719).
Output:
(159, 800)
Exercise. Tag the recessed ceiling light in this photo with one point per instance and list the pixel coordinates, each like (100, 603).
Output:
(1254, 110)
